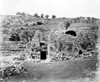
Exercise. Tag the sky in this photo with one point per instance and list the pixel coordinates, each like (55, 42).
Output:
(60, 8)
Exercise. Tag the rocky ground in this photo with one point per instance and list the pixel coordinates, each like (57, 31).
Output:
(16, 65)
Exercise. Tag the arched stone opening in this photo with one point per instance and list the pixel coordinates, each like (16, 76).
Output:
(71, 32)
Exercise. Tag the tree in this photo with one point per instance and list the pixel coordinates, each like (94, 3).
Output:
(67, 24)
(53, 16)
(42, 15)
(36, 15)
(88, 18)
(47, 16)
(18, 13)
(22, 14)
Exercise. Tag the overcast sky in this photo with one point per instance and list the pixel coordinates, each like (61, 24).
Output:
(60, 8)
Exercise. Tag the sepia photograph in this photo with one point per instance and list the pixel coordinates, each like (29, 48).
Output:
(49, 40)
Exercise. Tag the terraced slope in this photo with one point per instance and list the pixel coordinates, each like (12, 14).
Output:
(27, 39)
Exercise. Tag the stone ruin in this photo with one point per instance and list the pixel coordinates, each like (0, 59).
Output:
(53, 40)
(64, 44)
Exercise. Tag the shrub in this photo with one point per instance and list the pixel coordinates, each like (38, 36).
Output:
(9, 71)
(87, 41)
(18, 13)
(27, 35)
(22, 56)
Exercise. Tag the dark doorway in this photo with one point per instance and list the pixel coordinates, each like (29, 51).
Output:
(43, 55)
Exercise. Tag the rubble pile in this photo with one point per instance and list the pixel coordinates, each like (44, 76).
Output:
(82, 45)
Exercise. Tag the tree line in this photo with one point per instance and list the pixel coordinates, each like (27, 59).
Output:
(36, 15)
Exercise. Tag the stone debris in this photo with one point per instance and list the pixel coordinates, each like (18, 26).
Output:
(45, 41)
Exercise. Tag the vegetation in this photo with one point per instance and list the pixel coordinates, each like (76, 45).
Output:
(12, 71)
(53, 16)
(47, 16)
(22, 27)
(67, 24)
(36, 15)
(42, 15)
(88, 40)
(71, 38)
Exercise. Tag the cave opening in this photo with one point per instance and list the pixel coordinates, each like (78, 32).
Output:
(80, 52)
(71, 32)
(14, 37)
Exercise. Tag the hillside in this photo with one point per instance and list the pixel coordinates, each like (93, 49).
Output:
(30, 38)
